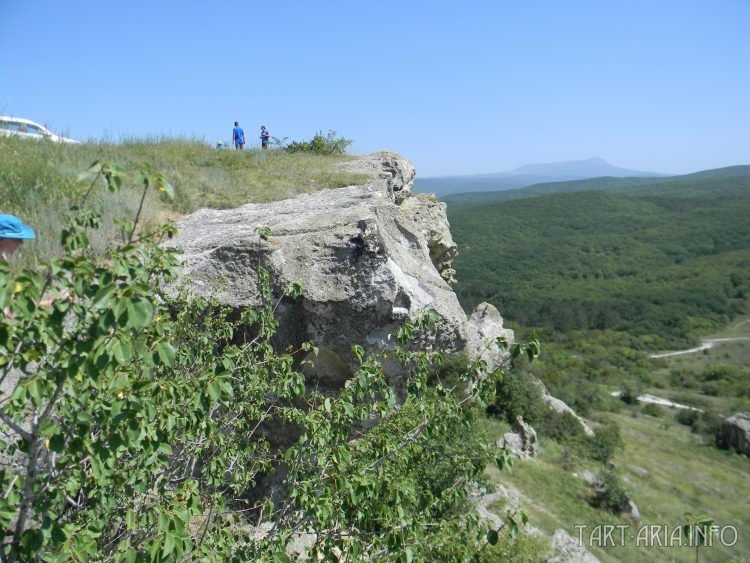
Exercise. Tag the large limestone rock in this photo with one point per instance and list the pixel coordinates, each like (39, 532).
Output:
(368, 257)
(735, 433)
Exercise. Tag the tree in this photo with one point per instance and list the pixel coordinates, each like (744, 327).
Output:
(146, 423)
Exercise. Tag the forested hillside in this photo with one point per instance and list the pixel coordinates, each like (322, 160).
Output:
(607, 271)
(670, 257)
(627, 185)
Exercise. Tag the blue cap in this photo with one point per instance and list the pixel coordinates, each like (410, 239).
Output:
(12, 227)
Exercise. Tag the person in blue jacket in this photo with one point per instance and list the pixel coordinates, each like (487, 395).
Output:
(12, 234)
(238, 136)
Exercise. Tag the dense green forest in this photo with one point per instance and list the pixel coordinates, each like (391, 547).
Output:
(668, 258)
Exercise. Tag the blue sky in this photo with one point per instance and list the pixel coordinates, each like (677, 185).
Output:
(457, 87)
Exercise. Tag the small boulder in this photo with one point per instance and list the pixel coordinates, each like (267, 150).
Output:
(520, 441)
(735, 433)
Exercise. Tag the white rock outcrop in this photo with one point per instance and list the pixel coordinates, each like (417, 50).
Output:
(368, 258)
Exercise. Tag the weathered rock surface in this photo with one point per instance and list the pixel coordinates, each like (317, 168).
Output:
(566, 549)
(520, 441)
(368, 257)
(735, 433)
(396, 172)
(562, 547)
(560, 406)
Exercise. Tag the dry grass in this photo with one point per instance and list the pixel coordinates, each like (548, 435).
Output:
(38, 182)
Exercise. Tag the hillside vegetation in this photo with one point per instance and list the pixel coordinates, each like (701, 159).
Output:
(605, 277)
(626, 185)
(669, 259)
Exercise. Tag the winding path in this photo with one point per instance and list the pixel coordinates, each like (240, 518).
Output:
(705, 345)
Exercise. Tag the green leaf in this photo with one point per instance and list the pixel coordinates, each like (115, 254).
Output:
(94, 169)
(166, 353)
(35, 391)
(122, 351)
(139, 313)
(263, 232)
(164, 187)
(359, 353)
(169, 544)
(214, 390)
(130, 521)
(294, 290)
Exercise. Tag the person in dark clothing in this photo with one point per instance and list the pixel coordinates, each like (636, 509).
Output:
(264, 136)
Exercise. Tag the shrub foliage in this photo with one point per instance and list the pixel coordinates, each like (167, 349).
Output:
(141, 423)
(327, 144)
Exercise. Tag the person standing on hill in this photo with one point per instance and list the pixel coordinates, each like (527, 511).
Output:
(264, 136)
(238, 136)
(12, 234)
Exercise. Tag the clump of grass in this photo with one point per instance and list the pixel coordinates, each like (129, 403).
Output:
(38, 181)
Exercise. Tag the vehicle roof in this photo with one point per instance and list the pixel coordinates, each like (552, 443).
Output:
(19, 119)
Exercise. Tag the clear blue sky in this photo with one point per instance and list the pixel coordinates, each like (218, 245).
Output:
(457, 87)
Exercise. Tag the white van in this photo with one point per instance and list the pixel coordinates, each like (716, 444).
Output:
(28, 129)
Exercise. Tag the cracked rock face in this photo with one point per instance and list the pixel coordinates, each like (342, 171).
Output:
(368, 257)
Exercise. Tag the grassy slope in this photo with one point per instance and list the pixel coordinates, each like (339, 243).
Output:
(667, 470)
(38, 180)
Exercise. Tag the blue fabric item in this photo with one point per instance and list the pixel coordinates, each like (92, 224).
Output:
(12, 227)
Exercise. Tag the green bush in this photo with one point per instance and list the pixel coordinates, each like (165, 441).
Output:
(560, 426)
(516, 395)
(320, 144)
(604, 443)
(687, 416)
(706, 423)
(651, 409)
(630, 393)
(611, 494)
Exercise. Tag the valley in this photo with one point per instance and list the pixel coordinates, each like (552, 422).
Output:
(638, 293)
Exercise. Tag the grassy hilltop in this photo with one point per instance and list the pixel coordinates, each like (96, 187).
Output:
(39, 180)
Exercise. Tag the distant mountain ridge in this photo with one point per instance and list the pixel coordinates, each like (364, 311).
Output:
(624, 185)
(588, 168)
(526, 175)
